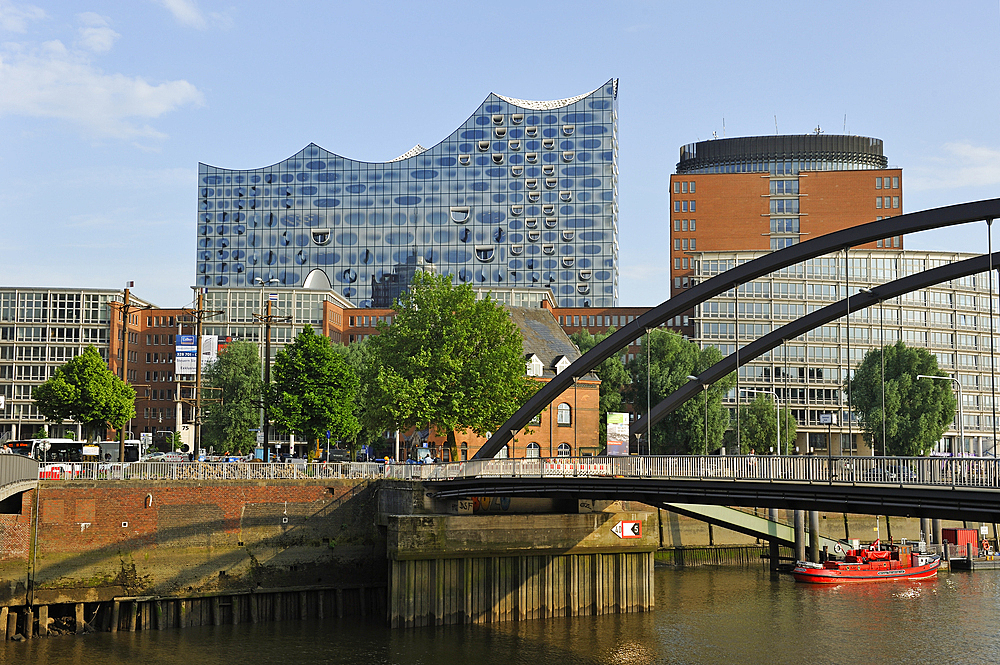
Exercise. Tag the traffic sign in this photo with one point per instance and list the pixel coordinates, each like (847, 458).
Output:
(627, 529)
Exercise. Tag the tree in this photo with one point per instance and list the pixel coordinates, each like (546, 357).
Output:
(612, 373)
(917, 412)
(85, 390)
(448, 361)
(357, 354)
(235, 377)
(314, 389)
(758, 426)
(672, 360)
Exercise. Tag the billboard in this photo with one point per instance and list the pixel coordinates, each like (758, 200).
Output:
(185, 355)
(617, 433)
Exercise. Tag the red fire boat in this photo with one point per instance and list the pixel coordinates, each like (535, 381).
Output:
(872, 564)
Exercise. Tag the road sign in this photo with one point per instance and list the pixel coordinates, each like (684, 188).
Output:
(44, 446)
(627, 529)
(260, 438)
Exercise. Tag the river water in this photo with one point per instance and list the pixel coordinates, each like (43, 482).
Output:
(703, 615)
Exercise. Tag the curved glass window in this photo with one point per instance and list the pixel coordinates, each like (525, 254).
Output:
(564, 450)
(533, 450)
(564, 414)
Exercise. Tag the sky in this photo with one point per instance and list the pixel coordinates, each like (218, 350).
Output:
(106, 108)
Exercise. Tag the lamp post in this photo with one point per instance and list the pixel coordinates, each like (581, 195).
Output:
(881, 341)
(704, 392)
(961, 413)
(777, 407)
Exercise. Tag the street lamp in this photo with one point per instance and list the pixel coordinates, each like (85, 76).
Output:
(961, 413)
(267, 319)
(777, 408)
(881, 341)
(704, 392)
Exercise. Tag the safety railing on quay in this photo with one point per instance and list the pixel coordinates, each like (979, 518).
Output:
(952, 471)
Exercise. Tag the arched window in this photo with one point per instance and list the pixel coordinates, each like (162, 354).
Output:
(465, 451)
(564, 415)
(533, 450)
(563, 450)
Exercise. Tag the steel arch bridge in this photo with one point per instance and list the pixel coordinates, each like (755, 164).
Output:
(839, 240)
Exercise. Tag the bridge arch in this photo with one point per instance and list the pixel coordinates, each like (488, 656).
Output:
(845, 238)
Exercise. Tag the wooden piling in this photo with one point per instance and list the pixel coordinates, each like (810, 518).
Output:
(4, 611)
(11, 624)
(29, 623)
(78, 622)
(43, 621)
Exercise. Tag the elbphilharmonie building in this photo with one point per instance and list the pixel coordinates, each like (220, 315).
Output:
(522, 194)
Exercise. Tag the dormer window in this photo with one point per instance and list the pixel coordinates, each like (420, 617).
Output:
(534, 365)
(561, 365)
(531, 132)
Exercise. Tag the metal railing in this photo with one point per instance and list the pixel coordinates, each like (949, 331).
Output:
(16, 473)
(958, 471)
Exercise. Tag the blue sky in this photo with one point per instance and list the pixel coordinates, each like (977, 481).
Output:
(106, 108)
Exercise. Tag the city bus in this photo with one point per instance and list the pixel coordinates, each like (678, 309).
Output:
(56, 451)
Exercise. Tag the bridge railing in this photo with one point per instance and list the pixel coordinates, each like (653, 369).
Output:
(952, 471)
(957, 471)
(16, 469)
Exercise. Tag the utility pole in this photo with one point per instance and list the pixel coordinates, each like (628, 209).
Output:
(267, 320)
(200, 314)
(126, 309)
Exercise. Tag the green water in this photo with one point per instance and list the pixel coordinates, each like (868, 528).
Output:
(703, 615)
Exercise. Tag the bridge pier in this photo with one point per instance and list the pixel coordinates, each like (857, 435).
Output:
(448, 569)
(925, 530)
(936, 531)
(800, 534)
(814, 536)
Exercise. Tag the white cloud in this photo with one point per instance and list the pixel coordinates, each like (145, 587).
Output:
(960, 165)
(14, 18)
(53, 81)
(95, 34)
(186, 12)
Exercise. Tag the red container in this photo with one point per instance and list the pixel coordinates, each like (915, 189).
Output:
(961, 539)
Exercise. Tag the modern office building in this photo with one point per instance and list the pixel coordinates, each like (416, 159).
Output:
(807, 374)
(522, 194)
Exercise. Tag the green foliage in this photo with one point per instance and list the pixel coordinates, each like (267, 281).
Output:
(672, 359)
(759, 423)
(917, 412)
(85, 390)
(314, 389)
(235, 378)
(357, 354)
(448, 361)
(612, 373)
(174, 441)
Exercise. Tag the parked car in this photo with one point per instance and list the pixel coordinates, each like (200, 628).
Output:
(336, 455)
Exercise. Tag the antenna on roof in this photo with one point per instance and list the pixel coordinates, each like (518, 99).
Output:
(723, 127)
(775, 125)
(818, 130)
(845, 123)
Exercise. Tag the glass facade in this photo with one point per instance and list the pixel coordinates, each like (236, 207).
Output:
(523, 194)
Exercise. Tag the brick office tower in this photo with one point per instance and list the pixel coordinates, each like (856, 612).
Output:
(768, 192)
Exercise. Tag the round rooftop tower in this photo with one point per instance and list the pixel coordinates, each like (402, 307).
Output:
(782, 154)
